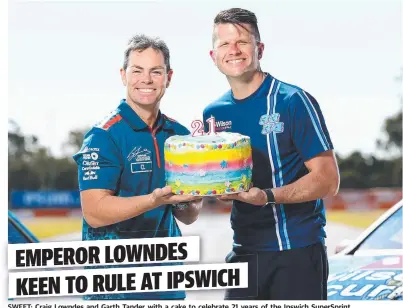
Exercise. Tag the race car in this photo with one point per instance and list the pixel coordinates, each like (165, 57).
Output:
(370, 267)
(18, 233)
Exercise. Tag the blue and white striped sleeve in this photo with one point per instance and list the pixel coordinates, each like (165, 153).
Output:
(308, 128)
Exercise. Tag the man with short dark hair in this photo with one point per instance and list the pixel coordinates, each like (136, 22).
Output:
(121, 163)
(279, 223)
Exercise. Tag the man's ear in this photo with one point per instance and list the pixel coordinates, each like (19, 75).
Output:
(169, 77)
(212, 55)
(260, 49)
(123, 76)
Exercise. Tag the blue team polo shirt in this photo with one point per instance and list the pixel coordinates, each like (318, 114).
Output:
(123, 154)
(287, 128)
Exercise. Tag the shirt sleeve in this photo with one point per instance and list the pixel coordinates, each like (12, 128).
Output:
(182, 130)
(99, 163)
(308, 128)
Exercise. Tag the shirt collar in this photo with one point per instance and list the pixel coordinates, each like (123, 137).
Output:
(262, 90)
(137, 123)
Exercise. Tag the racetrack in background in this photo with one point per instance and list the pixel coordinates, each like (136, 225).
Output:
(213, 228)
(48, 227)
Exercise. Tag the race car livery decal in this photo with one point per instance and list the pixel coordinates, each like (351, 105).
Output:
(366, 284)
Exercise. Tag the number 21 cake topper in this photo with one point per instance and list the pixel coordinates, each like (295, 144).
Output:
(198, 127)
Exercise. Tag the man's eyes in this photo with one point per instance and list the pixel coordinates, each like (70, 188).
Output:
(239, 43)
(156, 73)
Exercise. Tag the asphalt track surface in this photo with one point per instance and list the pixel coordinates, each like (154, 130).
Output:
(216, 239)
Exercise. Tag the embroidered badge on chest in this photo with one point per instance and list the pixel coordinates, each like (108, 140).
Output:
(140, 160)
(271, 123)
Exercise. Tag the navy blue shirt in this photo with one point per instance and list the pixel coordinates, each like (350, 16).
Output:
(123, 154)
(287, 128)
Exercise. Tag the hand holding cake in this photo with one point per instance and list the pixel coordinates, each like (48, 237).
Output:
(164, 195)
(255, 196)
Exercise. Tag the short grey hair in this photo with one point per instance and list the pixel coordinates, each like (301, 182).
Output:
(140, 42)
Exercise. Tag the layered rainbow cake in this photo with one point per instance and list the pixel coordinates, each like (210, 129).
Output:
(215, 164)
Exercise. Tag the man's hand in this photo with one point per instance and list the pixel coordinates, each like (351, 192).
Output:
(165, 196)
(254, 196)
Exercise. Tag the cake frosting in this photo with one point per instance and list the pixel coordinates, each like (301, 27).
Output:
(216, 164)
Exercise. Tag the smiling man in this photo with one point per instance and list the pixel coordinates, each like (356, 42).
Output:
(279, 223)
(121, 163)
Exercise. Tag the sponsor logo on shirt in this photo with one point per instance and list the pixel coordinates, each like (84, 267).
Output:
(141, 160)
(90, 168)
(141, 167)
(92, 156)
(87, 149)
(90, 175)
(90, 163)
(139, 155)
(271, 123)
(223, 125)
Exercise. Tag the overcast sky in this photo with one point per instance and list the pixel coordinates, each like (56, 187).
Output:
(64, 60)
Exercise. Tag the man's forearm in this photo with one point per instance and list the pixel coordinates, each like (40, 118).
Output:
(111, 209)
(310, 187)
